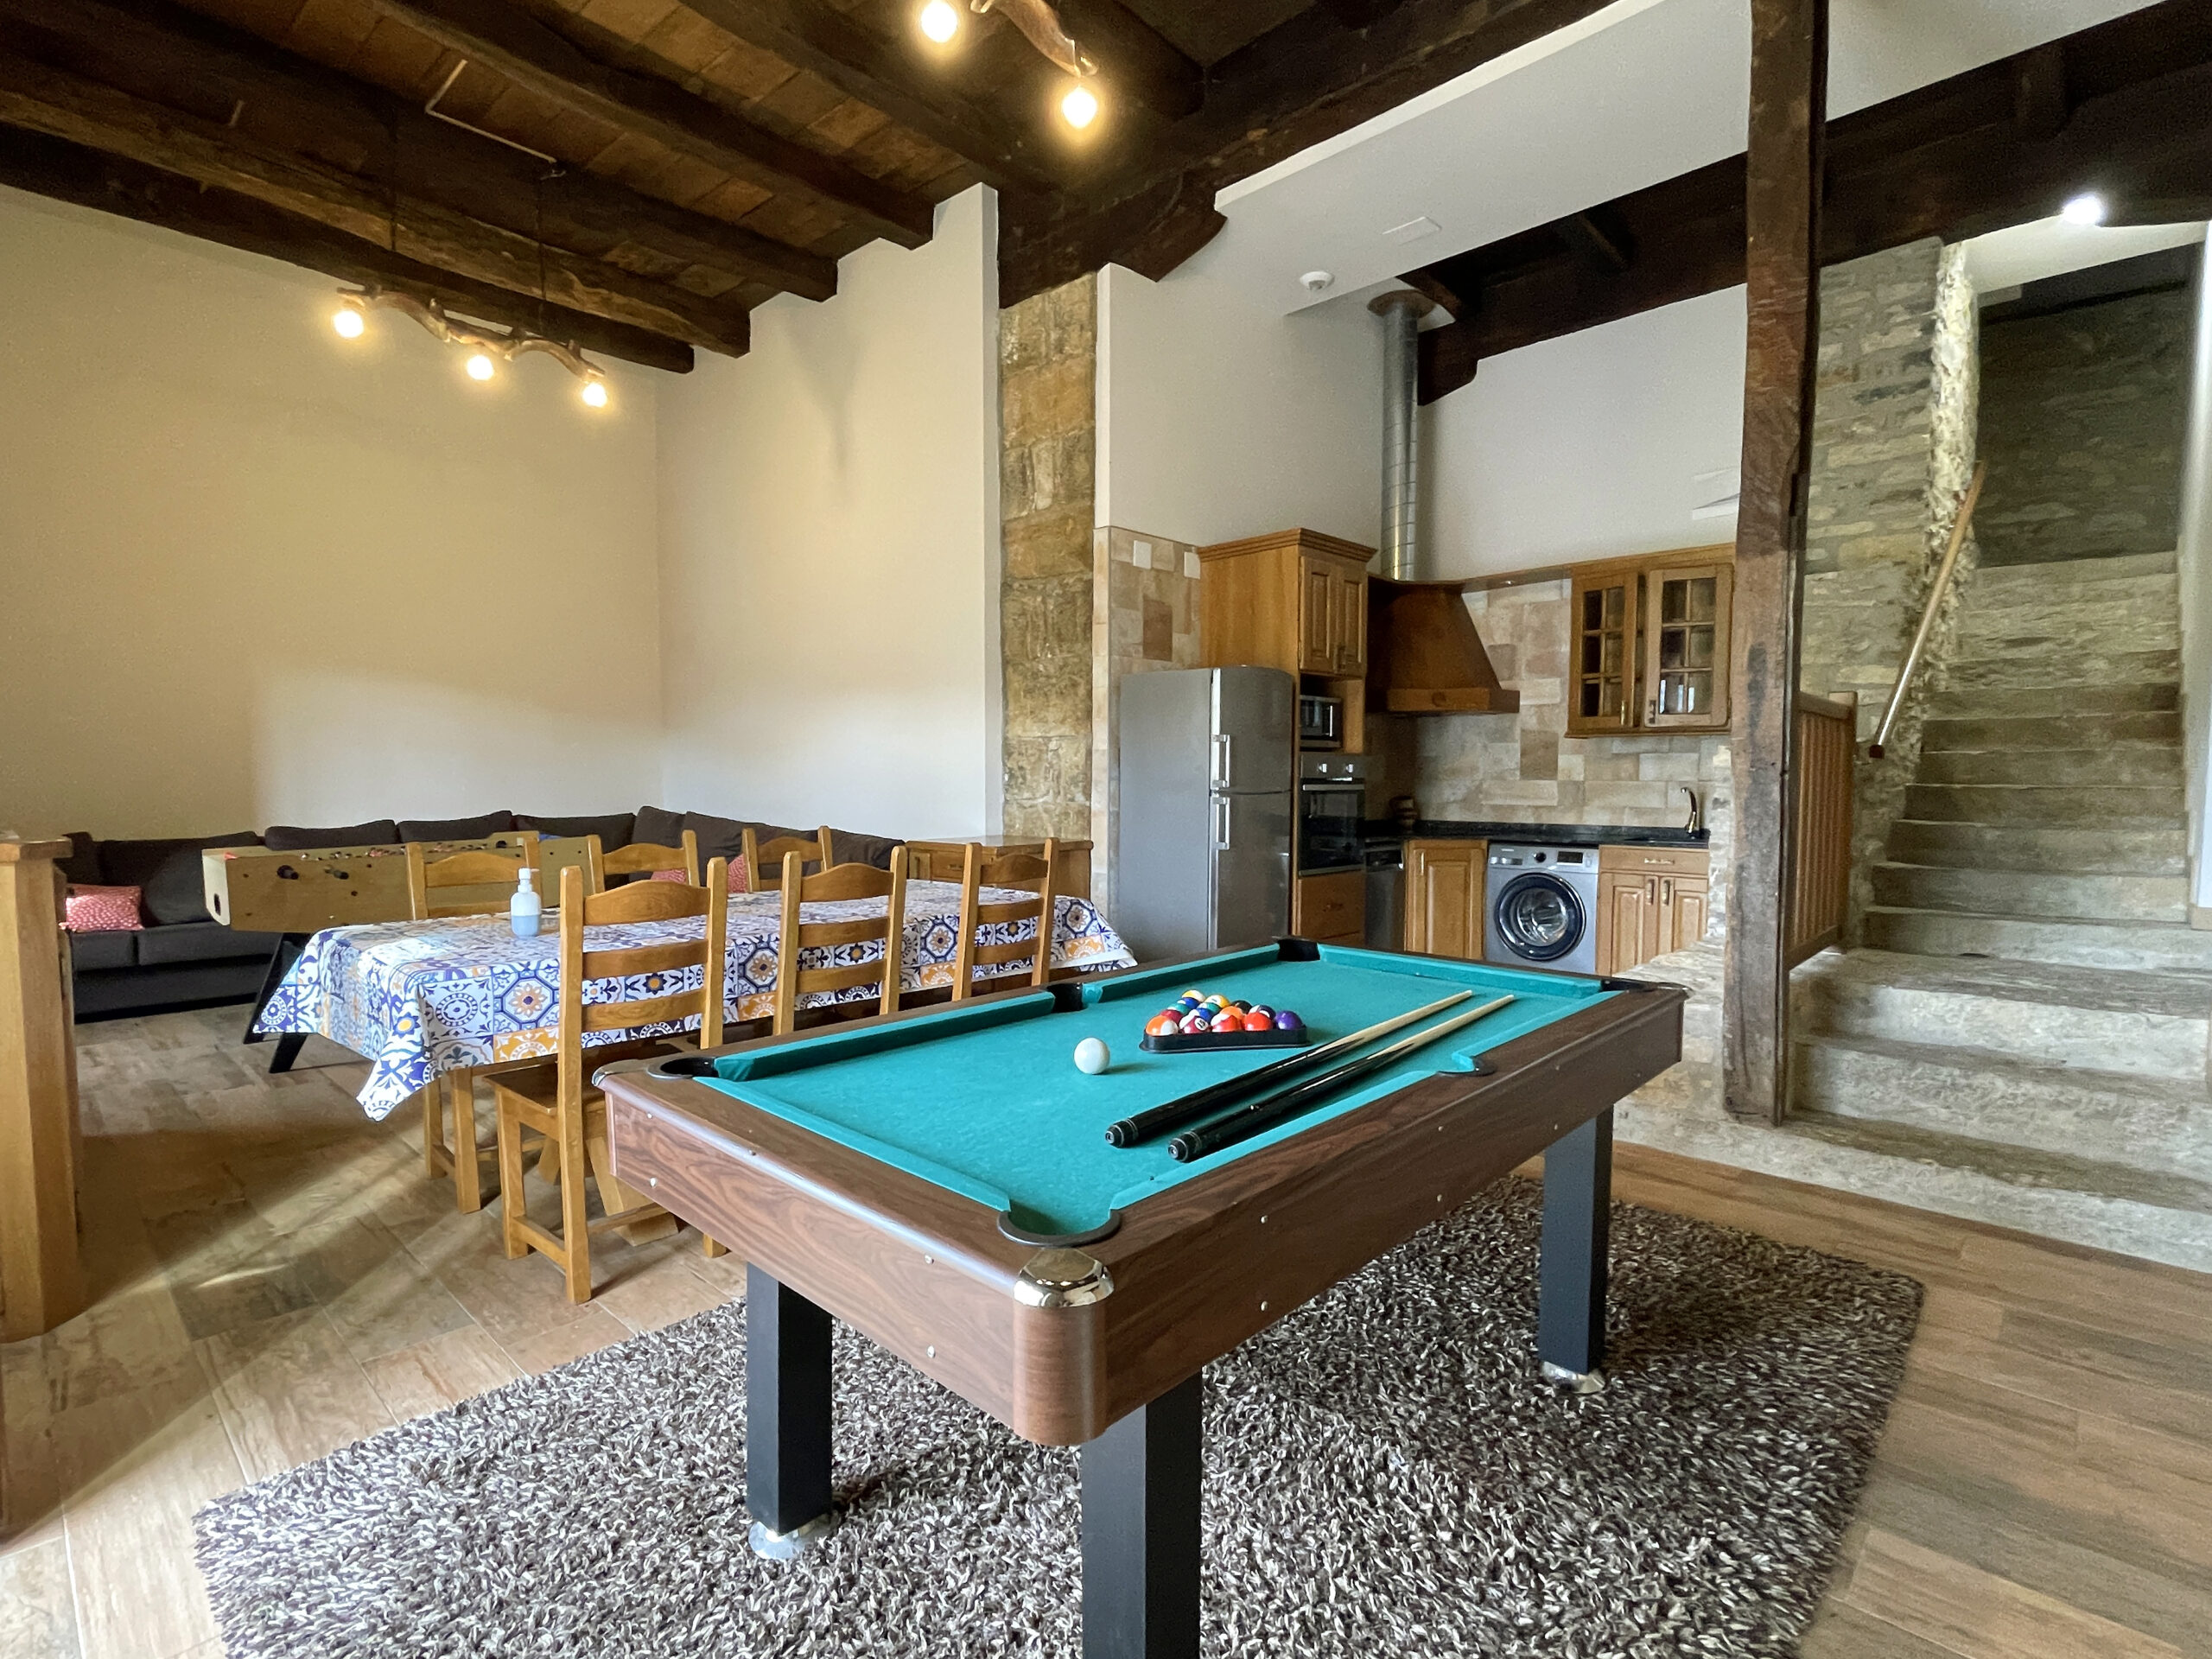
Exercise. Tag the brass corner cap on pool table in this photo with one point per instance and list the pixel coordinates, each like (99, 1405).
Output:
(1063, 1279)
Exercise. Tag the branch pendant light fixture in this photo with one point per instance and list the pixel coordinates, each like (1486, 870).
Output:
(487, 348)
(1040, 26)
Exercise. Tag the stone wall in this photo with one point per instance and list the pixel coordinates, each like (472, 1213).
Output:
(1893, 445)
(2083, 415)
(1048, 363)
(1144, 618)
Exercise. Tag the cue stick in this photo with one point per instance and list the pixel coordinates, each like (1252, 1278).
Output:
(1188, 1108)
(1264, 1113)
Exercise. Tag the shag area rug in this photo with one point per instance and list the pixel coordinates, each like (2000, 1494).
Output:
(1385, 1474)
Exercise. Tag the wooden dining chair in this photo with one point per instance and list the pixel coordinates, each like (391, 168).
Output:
(1032, 875)
(764, 861)
(640, 858)
(556, 1099)
(489, 877)
(798, 936)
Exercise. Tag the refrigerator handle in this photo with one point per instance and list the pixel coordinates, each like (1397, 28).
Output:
(1219, 805)
(1220, 773)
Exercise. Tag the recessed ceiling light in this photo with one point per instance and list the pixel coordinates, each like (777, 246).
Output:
(2085, 209)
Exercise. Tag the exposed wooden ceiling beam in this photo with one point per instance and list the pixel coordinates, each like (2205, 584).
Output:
(67, 172)
(516, 45)
(1950, 160)
(1134, 57)
(892, 77)
(61, 104)
(146, 45)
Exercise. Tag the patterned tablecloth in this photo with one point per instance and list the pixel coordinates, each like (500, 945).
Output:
(421, 998)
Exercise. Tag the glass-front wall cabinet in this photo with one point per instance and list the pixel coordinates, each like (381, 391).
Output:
(1649, 645)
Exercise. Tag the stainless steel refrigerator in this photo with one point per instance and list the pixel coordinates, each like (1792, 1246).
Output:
(1202, 858)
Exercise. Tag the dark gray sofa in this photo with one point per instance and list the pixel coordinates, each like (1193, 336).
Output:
(185, 959)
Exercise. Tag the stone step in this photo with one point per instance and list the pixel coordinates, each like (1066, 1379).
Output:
(2131, 763)
(2135, 1127)
(2032, 803)
(2033, 893)
(2042, 732)
(2037, 1014)
(2060, 601)
(2125, 566)
(2082, 665)
(2153, 849)
(2157, 694)
(2152, 622)
(2150, 947)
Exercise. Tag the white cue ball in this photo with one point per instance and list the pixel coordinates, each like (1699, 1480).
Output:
(1091, 1058)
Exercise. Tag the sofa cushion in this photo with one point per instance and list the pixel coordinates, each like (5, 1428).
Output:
(82, 867)
(475, 828)
(200, 942)
(613, 828)
(847, 847)
(102, 909)
(659, 827)
(295, 838)
(170, 871)
(89, 952)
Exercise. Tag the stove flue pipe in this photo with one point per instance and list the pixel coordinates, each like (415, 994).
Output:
(1402, 312)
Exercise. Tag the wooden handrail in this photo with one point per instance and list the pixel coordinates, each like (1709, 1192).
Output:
(1941, 585)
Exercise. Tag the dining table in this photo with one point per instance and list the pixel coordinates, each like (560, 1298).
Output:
(420, 999)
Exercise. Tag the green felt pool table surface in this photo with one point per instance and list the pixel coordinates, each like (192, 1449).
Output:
(984, 1099)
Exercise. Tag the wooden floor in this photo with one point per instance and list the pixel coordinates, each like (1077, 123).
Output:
(276, 1278)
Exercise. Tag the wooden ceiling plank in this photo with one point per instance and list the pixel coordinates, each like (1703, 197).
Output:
(478, 175)
(832, 44)
(493, 33)
(1134, 57)
(61, 105)
(67, 172)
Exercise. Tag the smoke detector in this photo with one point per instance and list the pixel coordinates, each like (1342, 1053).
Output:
(1318, 282)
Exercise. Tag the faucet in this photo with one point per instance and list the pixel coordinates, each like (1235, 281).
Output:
(1696, 824)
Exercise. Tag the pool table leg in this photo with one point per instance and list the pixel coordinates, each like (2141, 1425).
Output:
(787, 1418)
(1571, 1299)
(1141, 1532)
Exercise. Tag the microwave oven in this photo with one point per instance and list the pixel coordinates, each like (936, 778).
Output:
(1320, 722)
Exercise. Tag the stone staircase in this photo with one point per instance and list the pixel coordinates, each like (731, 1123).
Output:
(2025, 1041)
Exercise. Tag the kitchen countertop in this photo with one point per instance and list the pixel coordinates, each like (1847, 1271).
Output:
(1387, 832)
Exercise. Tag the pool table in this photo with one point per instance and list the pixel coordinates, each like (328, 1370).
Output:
(941, 1181)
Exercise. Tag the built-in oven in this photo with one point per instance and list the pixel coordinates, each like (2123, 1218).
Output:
(1331, 806)
(1320, 722)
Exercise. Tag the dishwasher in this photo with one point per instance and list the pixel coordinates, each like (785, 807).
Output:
(1386, 896)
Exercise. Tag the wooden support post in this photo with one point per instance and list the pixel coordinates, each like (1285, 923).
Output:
(1789, 53)
(41, 1283)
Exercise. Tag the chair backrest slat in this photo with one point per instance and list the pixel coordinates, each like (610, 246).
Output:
(764, 861)
(642, 858)
(641, 901)
(429, 874)
(1026, 871)
(841, 882)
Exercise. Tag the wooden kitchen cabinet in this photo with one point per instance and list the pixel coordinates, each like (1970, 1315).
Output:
(1330, 909)
(1444, 884)
(1650, 900)
(1648, 643)
(1295, 600)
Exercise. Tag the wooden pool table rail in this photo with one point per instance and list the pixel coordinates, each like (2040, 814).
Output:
(1197, 1267)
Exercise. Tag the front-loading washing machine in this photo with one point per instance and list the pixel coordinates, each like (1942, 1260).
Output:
(1541, 908)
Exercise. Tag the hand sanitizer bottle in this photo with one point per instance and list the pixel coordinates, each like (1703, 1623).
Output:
(526, 909)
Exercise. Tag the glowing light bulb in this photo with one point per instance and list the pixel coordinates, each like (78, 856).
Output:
(594, 393)
(348, 321)
(2088, 209)
(940, 21)
(1080, 106)
(480, 366)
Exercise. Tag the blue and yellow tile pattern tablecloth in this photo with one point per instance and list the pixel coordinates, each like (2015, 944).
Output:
(421, 998)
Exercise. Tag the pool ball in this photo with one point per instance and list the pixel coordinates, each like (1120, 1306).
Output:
(1164, 1025)
(1288, 1020)
(1241, 1006)
(1228, 1020)
(1091, 1058)
(1259, 1020)
(1196, 1021)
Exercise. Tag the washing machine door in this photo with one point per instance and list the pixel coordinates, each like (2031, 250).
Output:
(1538, 917)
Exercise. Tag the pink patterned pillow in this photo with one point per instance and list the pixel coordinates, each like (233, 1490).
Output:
(668, 875)
(103, 910)
(736, 876)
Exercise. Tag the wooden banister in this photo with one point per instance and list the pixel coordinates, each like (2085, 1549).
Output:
(1820, 826)
(1936, 589)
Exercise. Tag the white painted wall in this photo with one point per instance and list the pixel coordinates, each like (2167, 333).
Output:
(2194, 563)
(830, 551)
(1596, 443)
(250, 573)
(1219, 419)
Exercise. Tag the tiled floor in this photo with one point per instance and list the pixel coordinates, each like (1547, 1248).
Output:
(277, 1277)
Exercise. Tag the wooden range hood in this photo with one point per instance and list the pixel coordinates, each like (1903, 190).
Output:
(1423, 654)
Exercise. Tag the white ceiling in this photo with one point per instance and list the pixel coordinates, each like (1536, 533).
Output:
(1638, 93)
(2052, 247)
